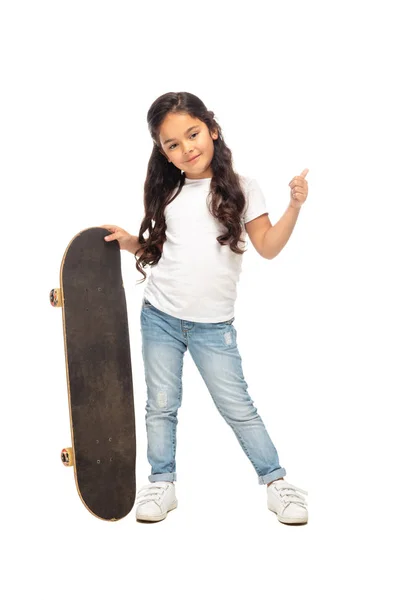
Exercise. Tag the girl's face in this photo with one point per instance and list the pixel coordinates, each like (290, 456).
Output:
(183, 138)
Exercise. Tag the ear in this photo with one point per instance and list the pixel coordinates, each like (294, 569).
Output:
(214, 134)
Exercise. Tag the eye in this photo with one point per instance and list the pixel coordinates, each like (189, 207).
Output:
(195, 133)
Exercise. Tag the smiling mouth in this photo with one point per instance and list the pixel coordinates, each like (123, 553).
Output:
(194, 158)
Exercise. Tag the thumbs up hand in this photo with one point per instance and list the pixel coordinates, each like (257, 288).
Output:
(299, 189)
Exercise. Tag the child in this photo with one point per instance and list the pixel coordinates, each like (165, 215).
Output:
(196, 207)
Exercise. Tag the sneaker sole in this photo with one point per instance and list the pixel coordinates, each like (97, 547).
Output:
(289, 520)
(155, 518)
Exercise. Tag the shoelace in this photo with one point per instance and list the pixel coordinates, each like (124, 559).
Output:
(292, 491)
(151, 492)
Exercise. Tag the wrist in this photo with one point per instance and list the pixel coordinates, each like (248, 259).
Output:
(133, 244)
(136, 247)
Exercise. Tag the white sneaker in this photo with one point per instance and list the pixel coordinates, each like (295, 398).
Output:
(285, 500)
(155, 500)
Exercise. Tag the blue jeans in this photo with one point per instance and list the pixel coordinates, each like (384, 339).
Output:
(214, 350)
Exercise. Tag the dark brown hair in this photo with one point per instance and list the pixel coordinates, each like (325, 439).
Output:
(227, 197)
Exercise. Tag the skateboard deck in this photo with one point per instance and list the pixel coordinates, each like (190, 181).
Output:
(99, 374)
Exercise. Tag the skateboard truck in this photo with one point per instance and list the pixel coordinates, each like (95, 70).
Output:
(56, 297)
(67, 457)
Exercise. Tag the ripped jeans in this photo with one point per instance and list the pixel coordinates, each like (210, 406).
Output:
(214, 350)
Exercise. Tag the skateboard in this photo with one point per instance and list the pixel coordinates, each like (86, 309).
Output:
(99, 374)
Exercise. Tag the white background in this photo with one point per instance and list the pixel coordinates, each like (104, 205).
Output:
(293, 85)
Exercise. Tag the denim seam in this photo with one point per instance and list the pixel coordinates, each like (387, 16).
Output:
(174, 429)
(244, 448)
(235, 431)
(217, 407)
(239, 437)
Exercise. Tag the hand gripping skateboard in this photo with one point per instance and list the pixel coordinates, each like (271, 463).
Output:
(99, 374)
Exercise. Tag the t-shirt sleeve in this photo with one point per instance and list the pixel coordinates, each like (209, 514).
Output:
(256, 204)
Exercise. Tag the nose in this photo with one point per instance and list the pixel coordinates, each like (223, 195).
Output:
(188, 153)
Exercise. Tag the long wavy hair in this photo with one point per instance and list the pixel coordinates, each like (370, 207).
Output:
(227, 197)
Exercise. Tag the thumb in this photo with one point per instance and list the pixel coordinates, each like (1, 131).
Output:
(304, 172)
(111, 228)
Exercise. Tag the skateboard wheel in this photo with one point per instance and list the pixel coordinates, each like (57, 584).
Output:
(67, 457)
(56, 297)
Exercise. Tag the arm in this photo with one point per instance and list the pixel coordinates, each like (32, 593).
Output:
(269, 239)
(135, 248)
(277, 236)
(125, 240)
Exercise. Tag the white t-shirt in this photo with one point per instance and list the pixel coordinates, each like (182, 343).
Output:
(196, 278)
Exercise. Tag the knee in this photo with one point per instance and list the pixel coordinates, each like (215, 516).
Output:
(157, 401)
(163, 400)
(240, 412)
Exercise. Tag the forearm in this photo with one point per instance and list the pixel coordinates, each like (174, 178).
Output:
(277, 236)
(134, 246)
